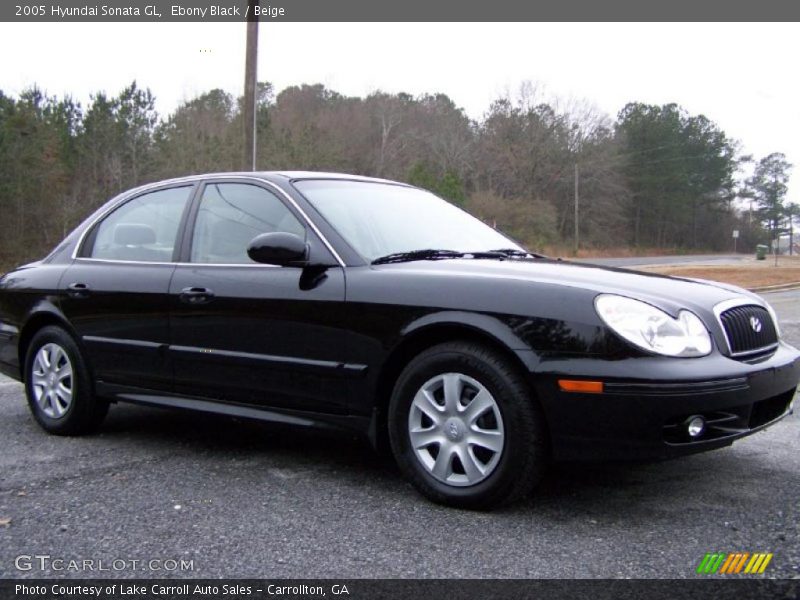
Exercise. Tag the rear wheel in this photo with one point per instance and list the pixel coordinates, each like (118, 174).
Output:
(57, 384)
(465, 429)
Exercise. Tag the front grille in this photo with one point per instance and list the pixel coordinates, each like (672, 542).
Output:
(749, 329)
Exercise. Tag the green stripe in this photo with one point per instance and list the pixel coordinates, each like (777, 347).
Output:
(711, 562)
(719, 562)
(701, 568)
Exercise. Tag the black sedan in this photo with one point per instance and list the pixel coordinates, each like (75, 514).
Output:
(325, 300)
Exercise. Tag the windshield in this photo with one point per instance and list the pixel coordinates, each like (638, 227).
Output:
(379, 219)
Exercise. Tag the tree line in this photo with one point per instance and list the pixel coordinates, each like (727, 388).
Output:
(653, 177)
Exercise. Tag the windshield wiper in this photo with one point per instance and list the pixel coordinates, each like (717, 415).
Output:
(433, 254)
(428, 254)
(513, 252)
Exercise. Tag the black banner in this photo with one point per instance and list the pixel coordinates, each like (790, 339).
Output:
(408, 10)
(363, 589)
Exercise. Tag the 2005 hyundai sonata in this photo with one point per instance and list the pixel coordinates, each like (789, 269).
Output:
(340, 301)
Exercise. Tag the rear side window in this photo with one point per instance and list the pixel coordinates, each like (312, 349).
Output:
(143, 229)
(231, 215)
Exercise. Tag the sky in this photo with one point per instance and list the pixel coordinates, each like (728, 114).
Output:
(742, 76)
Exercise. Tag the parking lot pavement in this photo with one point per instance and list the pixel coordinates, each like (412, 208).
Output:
(243, 499)
(683, 259)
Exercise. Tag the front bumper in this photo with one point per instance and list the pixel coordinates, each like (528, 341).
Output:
(646, 402)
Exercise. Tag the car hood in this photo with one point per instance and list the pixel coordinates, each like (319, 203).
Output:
(666, 292)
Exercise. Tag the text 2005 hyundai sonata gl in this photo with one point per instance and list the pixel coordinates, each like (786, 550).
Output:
(341, 301)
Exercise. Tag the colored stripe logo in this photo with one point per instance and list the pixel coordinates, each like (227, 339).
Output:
(734, 563)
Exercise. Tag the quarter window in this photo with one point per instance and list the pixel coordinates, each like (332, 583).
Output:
(143, 229)
(231, 215)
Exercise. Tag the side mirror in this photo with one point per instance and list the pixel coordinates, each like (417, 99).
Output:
(280, 248)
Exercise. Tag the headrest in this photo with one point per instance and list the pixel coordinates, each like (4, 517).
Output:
(134, 234)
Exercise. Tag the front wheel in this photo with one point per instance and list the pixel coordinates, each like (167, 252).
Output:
(57, 384)
(465, 429)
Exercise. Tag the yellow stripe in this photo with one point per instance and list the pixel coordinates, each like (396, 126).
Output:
(765, 563)
(741, 562)
(753, 560)
(727, 563)
(755, 567)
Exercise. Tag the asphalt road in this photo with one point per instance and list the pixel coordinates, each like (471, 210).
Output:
(249, 500)
(632, 261)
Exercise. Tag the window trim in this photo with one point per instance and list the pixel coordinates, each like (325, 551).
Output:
(196, 180)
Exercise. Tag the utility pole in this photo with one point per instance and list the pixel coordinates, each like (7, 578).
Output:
(577, 222)
(250, 87)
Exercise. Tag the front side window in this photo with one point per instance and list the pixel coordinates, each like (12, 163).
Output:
(231, 215)
(143, 229)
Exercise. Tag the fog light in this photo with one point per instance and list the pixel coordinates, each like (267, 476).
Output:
(695, 426)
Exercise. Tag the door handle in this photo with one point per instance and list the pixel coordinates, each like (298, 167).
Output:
(78, 290)
(196, 295)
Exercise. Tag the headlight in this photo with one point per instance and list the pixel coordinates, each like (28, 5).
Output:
(652, 329)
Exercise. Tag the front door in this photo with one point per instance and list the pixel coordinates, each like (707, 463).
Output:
(250, 333)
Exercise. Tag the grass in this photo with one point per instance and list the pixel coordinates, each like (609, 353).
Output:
(750, 273)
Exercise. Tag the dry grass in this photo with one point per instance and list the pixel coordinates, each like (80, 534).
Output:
(749, 274)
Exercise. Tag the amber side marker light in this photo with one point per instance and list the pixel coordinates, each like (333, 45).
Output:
(585, 387)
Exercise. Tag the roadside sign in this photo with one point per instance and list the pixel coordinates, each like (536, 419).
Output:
(735, 233)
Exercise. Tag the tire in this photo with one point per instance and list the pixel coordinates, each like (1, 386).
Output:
(57, 383)
(479, 458)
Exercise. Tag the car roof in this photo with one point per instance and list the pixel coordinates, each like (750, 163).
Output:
(273, 176)
(299, 175)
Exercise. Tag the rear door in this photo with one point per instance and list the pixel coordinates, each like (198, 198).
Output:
(250, 333)
(115, 294)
